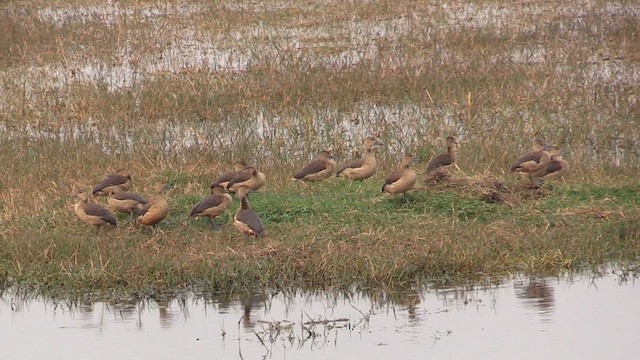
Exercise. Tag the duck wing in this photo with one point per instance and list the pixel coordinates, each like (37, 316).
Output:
(313, 167)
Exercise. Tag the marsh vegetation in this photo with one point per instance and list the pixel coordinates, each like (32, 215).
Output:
(178, 91)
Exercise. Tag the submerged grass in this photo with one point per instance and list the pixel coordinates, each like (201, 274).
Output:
(177, 91)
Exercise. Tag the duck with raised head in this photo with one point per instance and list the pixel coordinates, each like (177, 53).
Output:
(156, 209)
(212, 205)
(93, 214)
(126, 202)
(321, 168)
(121, 180)
(403, 179)
(223, 180)
(363, 168)
(246, 220)
(446, 160)
(249, 177)
(533, 162)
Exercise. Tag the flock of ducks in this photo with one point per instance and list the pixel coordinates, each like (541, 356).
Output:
(541, 162)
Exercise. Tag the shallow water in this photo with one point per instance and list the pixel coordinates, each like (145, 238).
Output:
(553, 318)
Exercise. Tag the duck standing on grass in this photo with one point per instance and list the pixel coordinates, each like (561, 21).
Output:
(223, 180)
(246, 220)
(156, 209)
(249, 177)
(443, 162)
(92, 213)
(365, 167)
(321, 168)
(403, 179)
(121, 180)
(213, 205)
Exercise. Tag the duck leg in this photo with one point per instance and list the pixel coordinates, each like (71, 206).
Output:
(214, 225)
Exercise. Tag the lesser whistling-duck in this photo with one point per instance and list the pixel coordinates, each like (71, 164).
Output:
(365, 167)
(249, 177)
(401, 180)
(532, 162)
(212, 205)
(92, 213)
(556, 166)
(156, 209)
(223, 180)
(444, 161)
(321, 168)
(125, 202)
(120, 180)
(246, 220)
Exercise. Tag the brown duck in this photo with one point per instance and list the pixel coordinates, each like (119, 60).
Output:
(249, 177)
(223, 180)
(93, 214)
(401, 180)
(365, 167)
(156, 209)
(321, 168)
(556, 166)
(120, 180)
(126, 202)
(446, 160)
(213, 205)
(246, 220)
(534, 162)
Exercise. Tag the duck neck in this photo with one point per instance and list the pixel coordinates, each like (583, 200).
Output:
(451, 150)
(370, 157)
(244, 202)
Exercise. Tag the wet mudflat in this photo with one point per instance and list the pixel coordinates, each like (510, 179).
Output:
(577, 317)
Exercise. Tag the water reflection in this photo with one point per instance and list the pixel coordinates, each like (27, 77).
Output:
(537, 294)
(524, 318)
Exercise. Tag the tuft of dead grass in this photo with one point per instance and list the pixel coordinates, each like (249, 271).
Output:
(486, 187)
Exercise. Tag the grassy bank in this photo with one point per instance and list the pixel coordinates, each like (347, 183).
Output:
(328, 235)
(178, 91)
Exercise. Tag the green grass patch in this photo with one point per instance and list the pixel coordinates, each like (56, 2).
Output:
(332, 234)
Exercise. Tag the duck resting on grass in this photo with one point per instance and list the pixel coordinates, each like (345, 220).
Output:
(121, 180)
(93, 214)
(443, 162)
(401, 180)
(223, 180)
(246, 220)
(555, 168)
(249, 177)
(213, 205)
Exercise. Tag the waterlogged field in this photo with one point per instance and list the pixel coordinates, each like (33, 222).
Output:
(178, 91)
